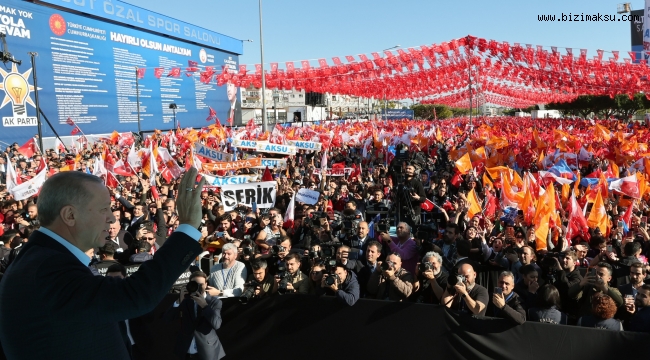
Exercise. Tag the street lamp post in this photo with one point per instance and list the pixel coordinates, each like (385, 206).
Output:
(173, 106)
(276, 97)
(264, 119)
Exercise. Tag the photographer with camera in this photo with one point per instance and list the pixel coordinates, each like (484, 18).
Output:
(358, 242)
(340, 282)
(390, 281)
(403, 244)
(304, 234)
(277, 254)
(505, 302)
(259, 283)
(226, 229)
(228, 277)
(289, 278)
(413, 192)
(342, 256)
(430, 279)
(464, 295)
(202, 318)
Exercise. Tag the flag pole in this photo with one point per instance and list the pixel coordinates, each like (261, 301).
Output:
(38, 114)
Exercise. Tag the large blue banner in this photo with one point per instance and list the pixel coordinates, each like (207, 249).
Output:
(397, 114)
(87, 72)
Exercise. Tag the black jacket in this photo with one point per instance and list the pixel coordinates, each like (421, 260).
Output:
(103, 265)
(80, 318)
(621, 270)
(348, 291)
(200, 324)
(417, 187)
(425, 293)
(512, 310)
(363, 277)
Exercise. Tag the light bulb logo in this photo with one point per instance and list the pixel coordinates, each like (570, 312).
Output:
(17, 90)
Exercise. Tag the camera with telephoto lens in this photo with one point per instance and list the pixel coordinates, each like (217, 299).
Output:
(332, 279)
(276, 249)
(284, 276)
(191, 287)
(383, 226)
(249, 291)
(425, 266)
(387, 265)
(328, 249)
(453, 281)
(314, 254)
(248, 251)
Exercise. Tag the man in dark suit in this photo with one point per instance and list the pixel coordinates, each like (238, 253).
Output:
(373, 251)
(201, 314)
(137, 219)
(359, 242)
(121, 239)
(74, 314)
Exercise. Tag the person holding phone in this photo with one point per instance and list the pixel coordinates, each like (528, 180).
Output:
(596, 281)
(505, 302)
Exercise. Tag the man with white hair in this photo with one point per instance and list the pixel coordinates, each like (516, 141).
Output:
(228, 277)
(430, 279)
(69, 306)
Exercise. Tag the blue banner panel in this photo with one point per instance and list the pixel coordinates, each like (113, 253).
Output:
(128, 14)
(397, 114)
(86, 71)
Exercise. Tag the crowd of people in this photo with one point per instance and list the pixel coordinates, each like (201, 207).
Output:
(401, 225)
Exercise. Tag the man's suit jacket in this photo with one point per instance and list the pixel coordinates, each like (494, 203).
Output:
(203, 329)
(125, 239)
(73, 314)
(362, 278)
(134, 227)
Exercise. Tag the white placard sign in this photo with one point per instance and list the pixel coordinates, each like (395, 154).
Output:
(262, 193)
(212, 154)
(306, 145)
(275, 149)
(246, 144)
(228, 180)
(307, 196)
(273, 163)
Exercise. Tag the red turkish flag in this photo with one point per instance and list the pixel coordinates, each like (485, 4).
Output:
(70, 122)
(29, 148)
(75, 131)
(174, 72)
(141, 72)
(157, 72)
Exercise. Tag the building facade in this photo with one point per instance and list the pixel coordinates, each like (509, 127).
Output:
(297, 106)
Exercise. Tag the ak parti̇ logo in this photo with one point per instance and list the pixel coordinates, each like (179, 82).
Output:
(57, 24)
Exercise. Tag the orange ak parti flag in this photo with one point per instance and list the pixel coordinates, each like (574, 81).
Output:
(464, 164)
(474, 204)
(486, 181)
(598, 215)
